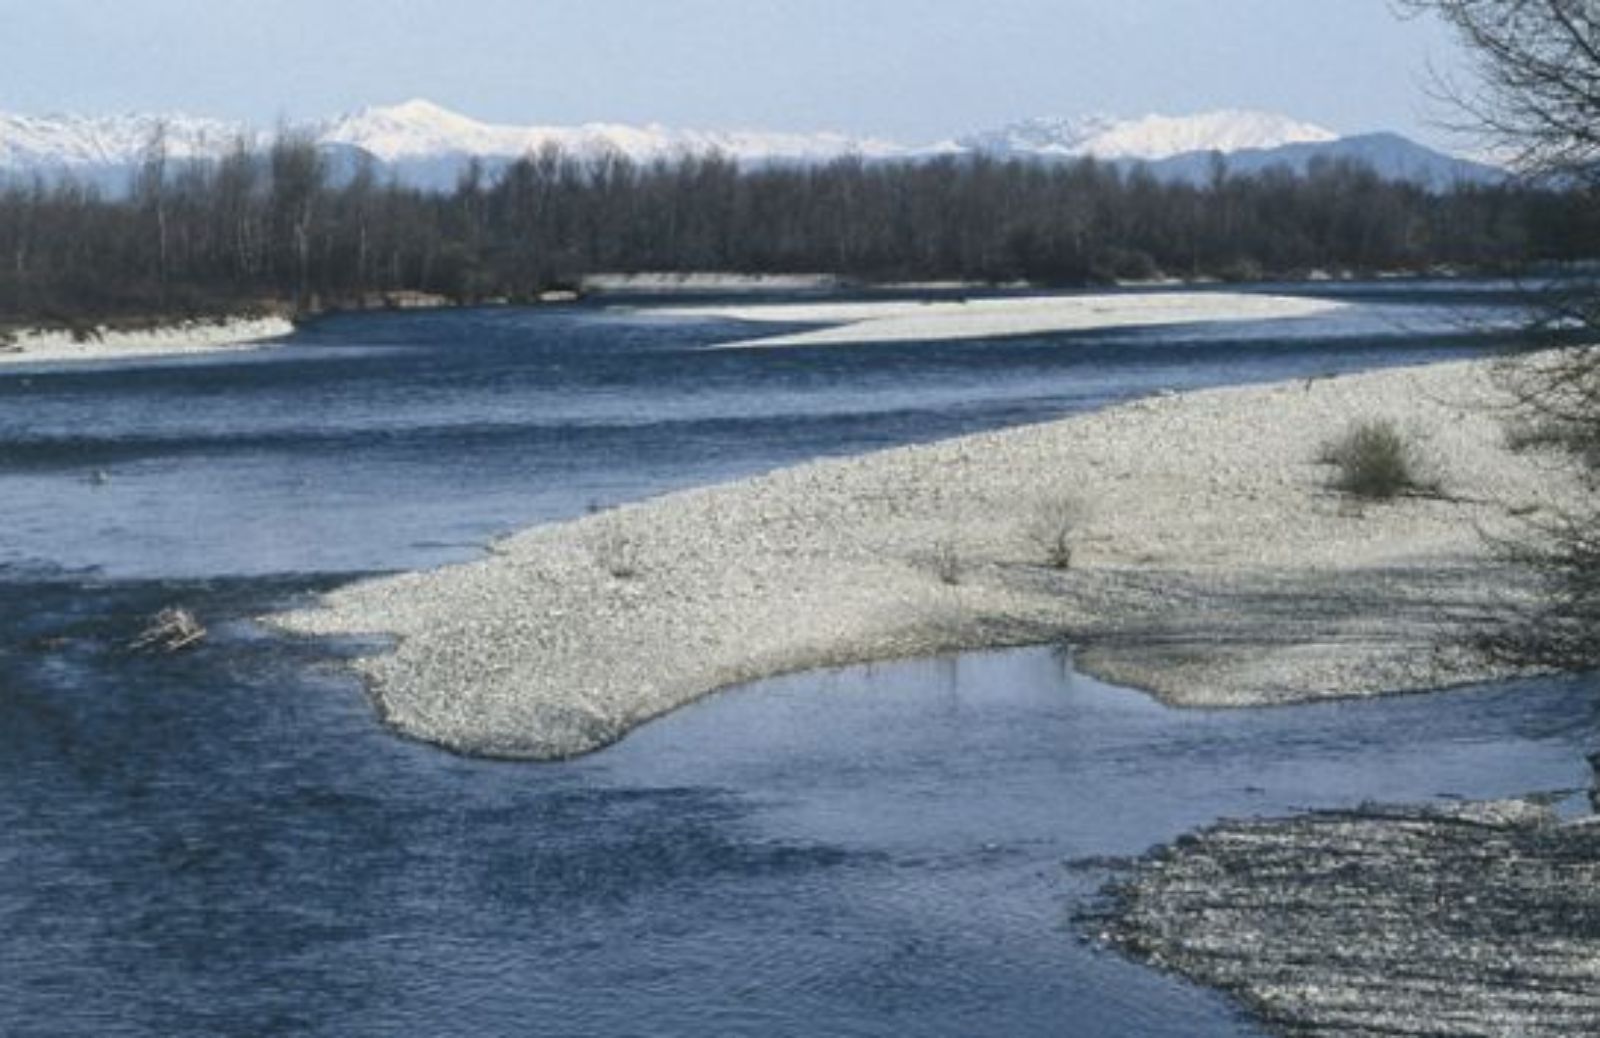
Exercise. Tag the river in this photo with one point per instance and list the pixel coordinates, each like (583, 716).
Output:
(226, 842)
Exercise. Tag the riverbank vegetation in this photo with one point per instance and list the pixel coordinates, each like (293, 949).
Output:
(1373, 460)
(283, 227)
(1533, 96)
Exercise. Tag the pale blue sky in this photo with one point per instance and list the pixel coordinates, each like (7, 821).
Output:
(915, 70)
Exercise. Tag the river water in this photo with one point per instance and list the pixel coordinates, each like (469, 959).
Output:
(225, 842)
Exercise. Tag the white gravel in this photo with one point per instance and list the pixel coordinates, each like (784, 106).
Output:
(1211, 565)
(42, 346)
(709, 281)
(900, 321)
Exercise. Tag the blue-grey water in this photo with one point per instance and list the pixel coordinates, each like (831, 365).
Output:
(225, 841)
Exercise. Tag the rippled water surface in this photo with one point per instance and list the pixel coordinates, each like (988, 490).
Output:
(225, 842)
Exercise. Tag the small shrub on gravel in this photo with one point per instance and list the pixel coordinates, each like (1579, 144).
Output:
(1374, 461)
(1053, 529)
(618, 555)
(947, 563)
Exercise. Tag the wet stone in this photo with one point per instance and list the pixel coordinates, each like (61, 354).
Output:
(1479, 920)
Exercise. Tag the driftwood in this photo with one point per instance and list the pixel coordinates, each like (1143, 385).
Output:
(171, 630)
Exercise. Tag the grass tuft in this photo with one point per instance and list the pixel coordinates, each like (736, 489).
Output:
(1374, 461)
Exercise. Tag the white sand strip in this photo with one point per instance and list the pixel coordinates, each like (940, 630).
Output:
(1211, 566)
(667, 283)
(854, 323)
(38, 346)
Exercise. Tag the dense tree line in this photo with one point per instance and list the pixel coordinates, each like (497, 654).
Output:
(279, 227)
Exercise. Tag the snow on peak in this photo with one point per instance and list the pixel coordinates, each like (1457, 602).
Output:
(412, 131)
(417, 128)
(423, 139)
(1042, 135)
(421, 129)
(1160, 137)
(420, 109)
(1150, 138)
(76, 141)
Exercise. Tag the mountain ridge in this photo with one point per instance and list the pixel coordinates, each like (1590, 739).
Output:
(1148, 138)
(425, 143)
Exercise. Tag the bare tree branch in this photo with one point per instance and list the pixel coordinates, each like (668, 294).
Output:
(1537, 65)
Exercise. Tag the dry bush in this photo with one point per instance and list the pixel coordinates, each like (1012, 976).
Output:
(1053, 530)
(1374, 460)
(618, 554)
(947, 562)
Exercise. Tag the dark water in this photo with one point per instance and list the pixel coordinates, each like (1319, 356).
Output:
(375, 443)
(225, 843)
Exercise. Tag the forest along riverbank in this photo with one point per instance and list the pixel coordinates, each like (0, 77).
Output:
(105, 342)
(1210, 564)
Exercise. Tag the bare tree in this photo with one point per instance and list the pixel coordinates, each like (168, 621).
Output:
(1536, 78)
(297, 176)
(150, 190)
(1536, 94)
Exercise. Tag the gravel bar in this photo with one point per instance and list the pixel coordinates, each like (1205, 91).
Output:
(850, 324)
(1482, 920)
(1210, 564)
(38, 346)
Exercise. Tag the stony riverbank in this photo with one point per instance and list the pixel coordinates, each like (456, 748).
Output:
(1210, 563)
(113, 342)
(1482, 920)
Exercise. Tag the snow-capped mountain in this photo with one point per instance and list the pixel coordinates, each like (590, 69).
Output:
(1394, 156)
(1148, 139)
(1186, 148)
(428, 145)
(75, 142)
(423, 130)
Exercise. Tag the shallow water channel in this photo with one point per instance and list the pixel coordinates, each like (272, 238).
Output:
(225, 842)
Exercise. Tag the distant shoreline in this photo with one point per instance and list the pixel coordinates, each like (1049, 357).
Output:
(134, 336)
(140, 339)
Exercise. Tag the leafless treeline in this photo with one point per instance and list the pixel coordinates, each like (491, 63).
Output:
(282, 226)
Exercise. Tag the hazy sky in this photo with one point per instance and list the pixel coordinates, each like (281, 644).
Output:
(915, 70)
